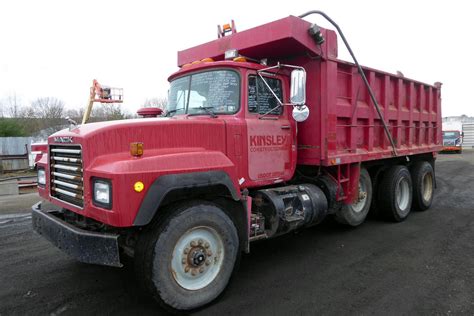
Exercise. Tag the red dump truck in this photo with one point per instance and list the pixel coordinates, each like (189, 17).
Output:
(266, 132)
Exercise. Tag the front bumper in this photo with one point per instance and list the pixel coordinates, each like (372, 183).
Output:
(83, 245)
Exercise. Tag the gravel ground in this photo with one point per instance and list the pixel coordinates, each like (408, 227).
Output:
(424, 265)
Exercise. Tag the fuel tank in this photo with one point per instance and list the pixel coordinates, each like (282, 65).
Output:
(288, 208)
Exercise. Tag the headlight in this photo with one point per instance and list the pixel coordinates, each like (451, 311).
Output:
(41, 177)
(102, 195)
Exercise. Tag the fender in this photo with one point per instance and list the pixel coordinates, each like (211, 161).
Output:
(166, 183)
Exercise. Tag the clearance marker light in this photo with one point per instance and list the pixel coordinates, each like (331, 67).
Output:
(138, 186)
(136, 149)
(240, 59)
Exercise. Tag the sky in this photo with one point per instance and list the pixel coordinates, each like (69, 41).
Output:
(56, 48)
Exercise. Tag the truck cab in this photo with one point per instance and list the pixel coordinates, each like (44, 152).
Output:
(260, 134)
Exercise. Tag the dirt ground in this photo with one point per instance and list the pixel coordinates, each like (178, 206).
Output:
(424, 265)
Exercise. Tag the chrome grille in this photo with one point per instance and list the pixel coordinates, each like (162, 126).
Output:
(66, 174)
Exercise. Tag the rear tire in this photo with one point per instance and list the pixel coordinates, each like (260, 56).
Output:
(355, 214)
(186, 260)
(423, 178)
(395, 194)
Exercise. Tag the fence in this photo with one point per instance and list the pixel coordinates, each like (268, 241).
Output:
(15, 153)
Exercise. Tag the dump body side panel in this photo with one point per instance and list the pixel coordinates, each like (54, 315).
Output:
(351, 130)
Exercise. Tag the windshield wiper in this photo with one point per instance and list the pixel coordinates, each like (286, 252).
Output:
(207, 109)
(173, 111)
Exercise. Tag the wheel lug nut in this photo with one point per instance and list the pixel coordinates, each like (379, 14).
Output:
(206, 245)
(201, 270)
(208, 262)
(209, 253)
(186, 250)
(183, 261)
(200, 242)
(193, 273)
(186, 269)
(193, 243)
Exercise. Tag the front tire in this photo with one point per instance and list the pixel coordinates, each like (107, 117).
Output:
(355, 213)
(188, 258)
(395, 194)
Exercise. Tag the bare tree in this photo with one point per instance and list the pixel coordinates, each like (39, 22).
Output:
(75, 114)
(108, 112)
(27, 112)
(48, 108)
(155, 103)
(12, 106)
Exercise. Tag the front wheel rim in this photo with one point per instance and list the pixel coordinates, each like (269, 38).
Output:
(197, 258)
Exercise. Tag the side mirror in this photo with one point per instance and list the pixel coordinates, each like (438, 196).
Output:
(298, 87)
(300, 113)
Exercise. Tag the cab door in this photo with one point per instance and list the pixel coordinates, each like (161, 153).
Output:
(270, 133)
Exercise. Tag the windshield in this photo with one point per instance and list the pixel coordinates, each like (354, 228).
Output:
(450, 135)
(215, 91)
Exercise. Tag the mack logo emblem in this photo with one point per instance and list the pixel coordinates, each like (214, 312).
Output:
(63, 139)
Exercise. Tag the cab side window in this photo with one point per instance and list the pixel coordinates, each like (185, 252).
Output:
(260, 98)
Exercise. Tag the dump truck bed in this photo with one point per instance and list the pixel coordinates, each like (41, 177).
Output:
(344, 125)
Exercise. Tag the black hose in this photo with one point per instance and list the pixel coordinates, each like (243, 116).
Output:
(364, 78)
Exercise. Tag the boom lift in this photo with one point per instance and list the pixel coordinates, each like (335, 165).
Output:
(102, 94)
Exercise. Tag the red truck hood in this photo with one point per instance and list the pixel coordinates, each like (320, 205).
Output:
(177, 133)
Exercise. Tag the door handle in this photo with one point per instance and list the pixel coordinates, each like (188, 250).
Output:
(285, 127)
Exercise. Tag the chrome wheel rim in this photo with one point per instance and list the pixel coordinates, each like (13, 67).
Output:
(402, 194)
(197, 258)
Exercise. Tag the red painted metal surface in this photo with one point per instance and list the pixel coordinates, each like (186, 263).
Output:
(171, 146)
(348, 127)
(278, 40)
(38, 149)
